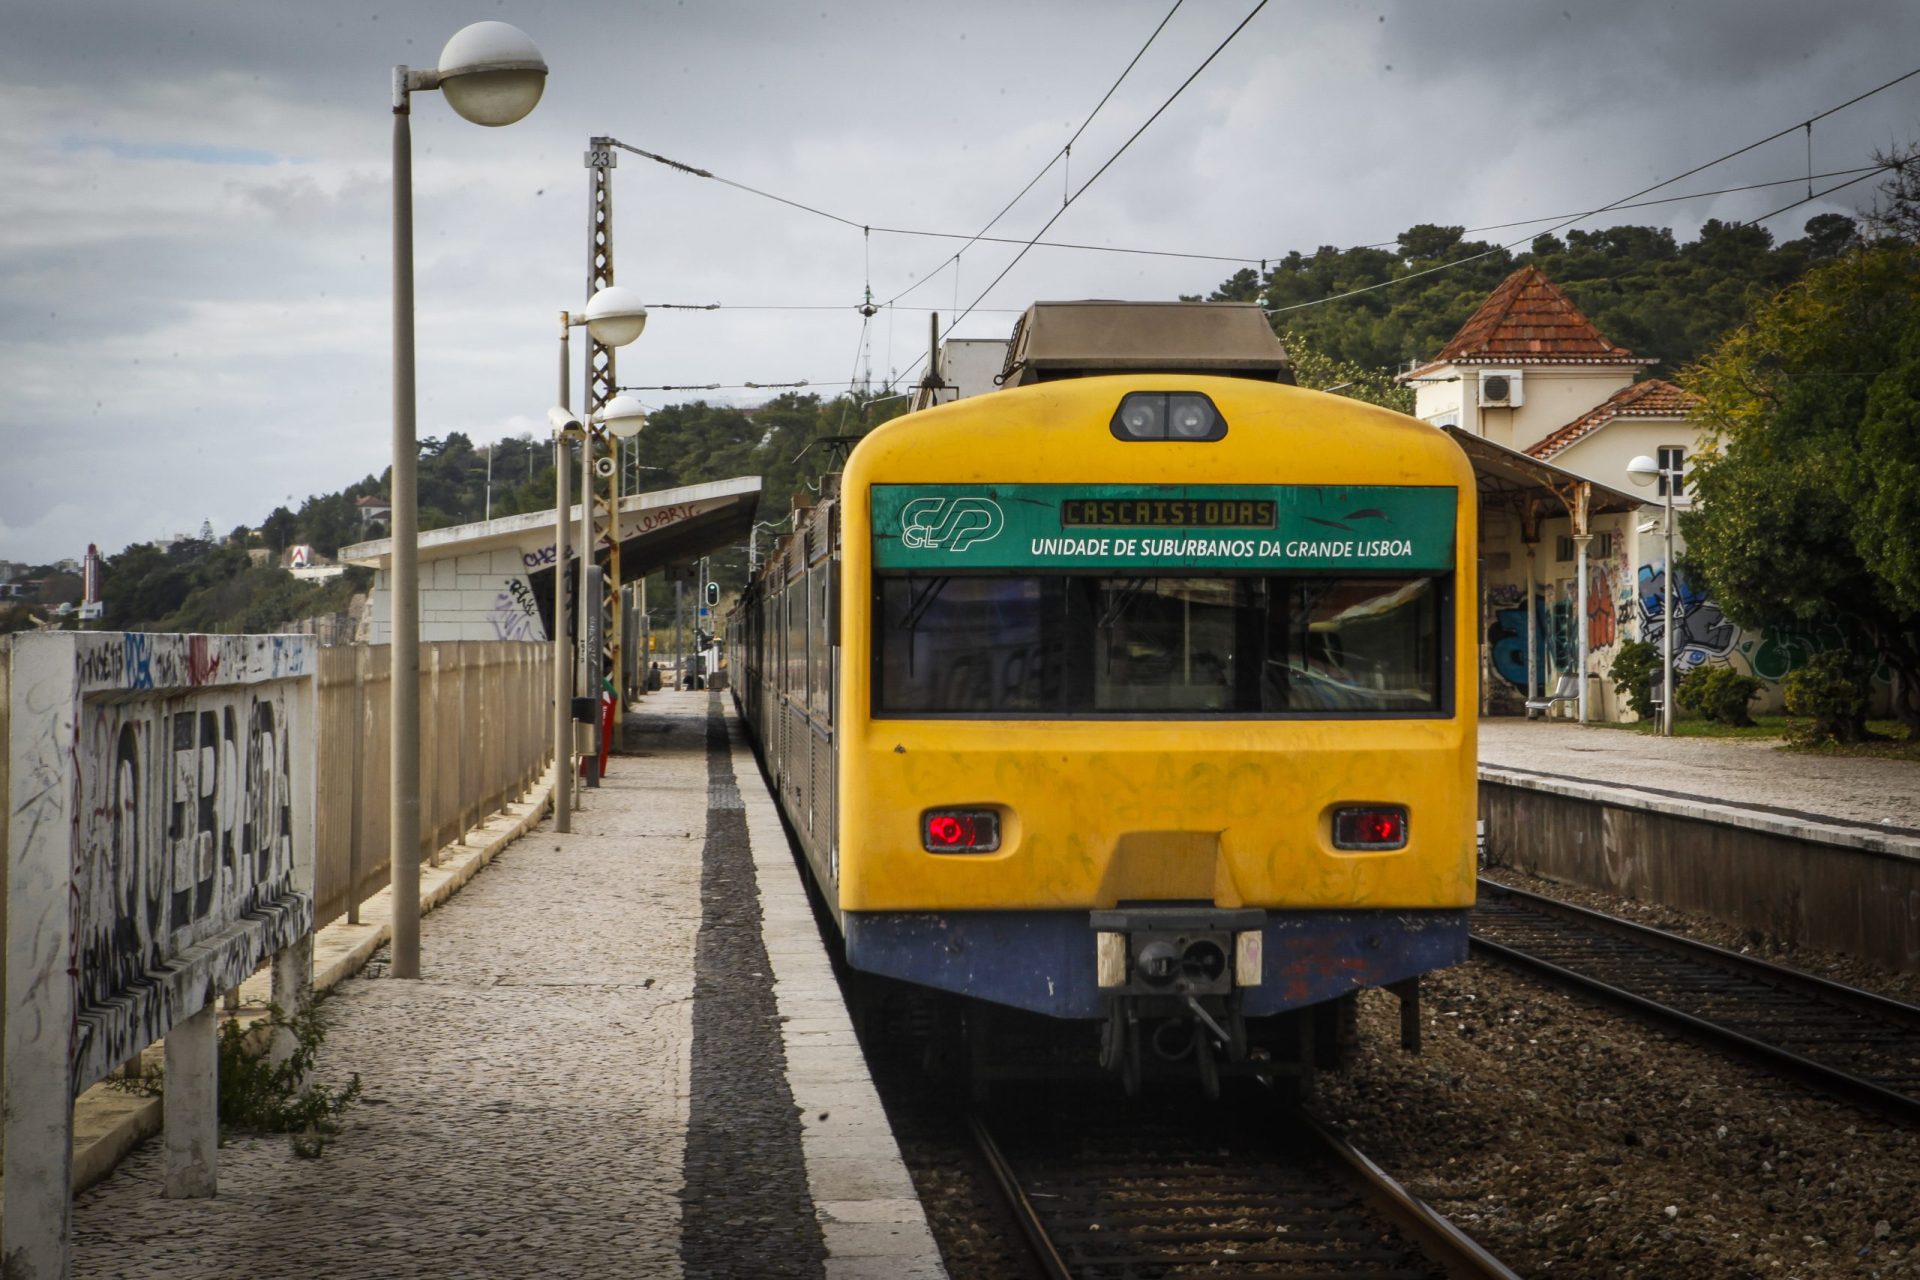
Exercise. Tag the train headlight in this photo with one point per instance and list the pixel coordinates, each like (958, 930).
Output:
(1167, 415)
(960, 830)
(1370, 828)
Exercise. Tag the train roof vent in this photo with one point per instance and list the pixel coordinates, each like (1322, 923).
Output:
(1077, 339)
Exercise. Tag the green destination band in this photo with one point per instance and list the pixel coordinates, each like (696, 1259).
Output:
(943, 528)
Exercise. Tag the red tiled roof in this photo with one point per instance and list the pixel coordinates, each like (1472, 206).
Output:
(1650, 399)
(1529, 321)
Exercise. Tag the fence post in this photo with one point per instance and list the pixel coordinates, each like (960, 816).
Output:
(358, 748)
(191, 1105)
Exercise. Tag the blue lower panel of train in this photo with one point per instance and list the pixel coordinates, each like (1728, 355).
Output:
(1043, 961)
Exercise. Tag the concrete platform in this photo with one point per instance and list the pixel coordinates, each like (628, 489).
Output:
(627, 1056)
(1738, 772)
(1813, 850)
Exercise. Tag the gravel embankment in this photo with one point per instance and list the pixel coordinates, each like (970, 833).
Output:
(1573, 1141)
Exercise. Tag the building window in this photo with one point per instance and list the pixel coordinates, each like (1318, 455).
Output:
(1673, 461)
(1601, 548)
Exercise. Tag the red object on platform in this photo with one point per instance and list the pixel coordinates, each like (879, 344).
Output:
(607, 704)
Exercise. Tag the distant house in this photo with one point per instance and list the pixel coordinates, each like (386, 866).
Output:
(373, 510)
(1528, 371)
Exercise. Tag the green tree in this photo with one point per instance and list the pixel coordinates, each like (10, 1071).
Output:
(1320, 372)
(1809, 504)
(278, 528)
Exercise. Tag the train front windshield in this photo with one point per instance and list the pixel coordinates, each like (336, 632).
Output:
(1074, 646)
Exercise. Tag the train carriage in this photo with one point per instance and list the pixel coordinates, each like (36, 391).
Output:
(1137, 694)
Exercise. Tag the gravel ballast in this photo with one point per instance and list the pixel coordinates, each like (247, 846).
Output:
(1573, 1141)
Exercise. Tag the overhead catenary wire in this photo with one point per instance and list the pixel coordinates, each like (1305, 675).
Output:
(1625, 202)
(1239, 259)
(788, 306)
(1064, 154)
(1122, 150)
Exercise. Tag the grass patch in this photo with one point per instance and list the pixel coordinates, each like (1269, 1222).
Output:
(1894, 742)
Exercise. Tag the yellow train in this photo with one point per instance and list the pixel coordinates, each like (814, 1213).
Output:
(1139, 693)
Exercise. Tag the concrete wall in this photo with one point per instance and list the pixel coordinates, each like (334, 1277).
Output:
(159, 835)
(1854, 890)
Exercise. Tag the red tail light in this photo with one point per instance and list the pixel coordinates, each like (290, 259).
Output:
(1373, 827)
(960, 830)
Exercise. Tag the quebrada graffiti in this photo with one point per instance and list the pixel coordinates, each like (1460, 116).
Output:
(187, 827)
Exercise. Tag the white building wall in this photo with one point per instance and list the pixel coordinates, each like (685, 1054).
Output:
(1551, 397)
(1604, 454)
(483, 595)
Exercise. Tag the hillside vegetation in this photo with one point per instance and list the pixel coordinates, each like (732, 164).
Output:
(1644, 290)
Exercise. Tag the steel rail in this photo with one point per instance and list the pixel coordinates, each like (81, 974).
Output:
(1441, 1243)
(1023, 1211)
(1446, 1244)
(1774, 1057)
(1861, 1001)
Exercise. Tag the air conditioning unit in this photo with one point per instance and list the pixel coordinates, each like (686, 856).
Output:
(1500, 389)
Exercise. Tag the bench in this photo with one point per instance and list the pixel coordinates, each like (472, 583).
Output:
(1566, 690)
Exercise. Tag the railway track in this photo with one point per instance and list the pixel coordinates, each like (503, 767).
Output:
(1185, 1197)
(1842, 1040)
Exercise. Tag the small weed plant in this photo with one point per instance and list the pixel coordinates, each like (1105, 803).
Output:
(258, 1095)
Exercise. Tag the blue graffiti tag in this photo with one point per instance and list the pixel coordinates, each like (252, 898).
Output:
(1701, 629)
(1508, 640)
(139, 661)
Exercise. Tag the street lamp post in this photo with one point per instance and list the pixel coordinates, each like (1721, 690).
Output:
(1643, 471)
(615, 317)
(491, 74)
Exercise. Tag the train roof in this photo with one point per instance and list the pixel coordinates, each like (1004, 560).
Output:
(1076, 339)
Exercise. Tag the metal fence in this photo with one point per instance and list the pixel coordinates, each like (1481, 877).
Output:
(485, 730)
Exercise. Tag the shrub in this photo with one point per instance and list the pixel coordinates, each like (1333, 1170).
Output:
(258, 1095)
(1721, 694)
(1633, 671)
(1832, 689)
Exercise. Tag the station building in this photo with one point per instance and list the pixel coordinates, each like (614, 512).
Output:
(1530, 375)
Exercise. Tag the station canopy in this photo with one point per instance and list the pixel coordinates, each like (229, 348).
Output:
(1508, 480)
(666, 526)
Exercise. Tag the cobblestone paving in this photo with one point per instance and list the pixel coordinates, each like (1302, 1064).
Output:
(1733, 770)
(527, 1100)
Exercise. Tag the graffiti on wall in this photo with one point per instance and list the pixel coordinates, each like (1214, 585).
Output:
(1701, 631)
(186, 831)
(1603, 624)
(170, 850)
(137, 662)
(1507, 635)
(1705, 636)
(515, 614)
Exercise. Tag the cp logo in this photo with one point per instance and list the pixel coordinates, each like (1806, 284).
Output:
(953, 523)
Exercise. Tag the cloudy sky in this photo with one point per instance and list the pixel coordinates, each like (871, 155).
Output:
(194, 196)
